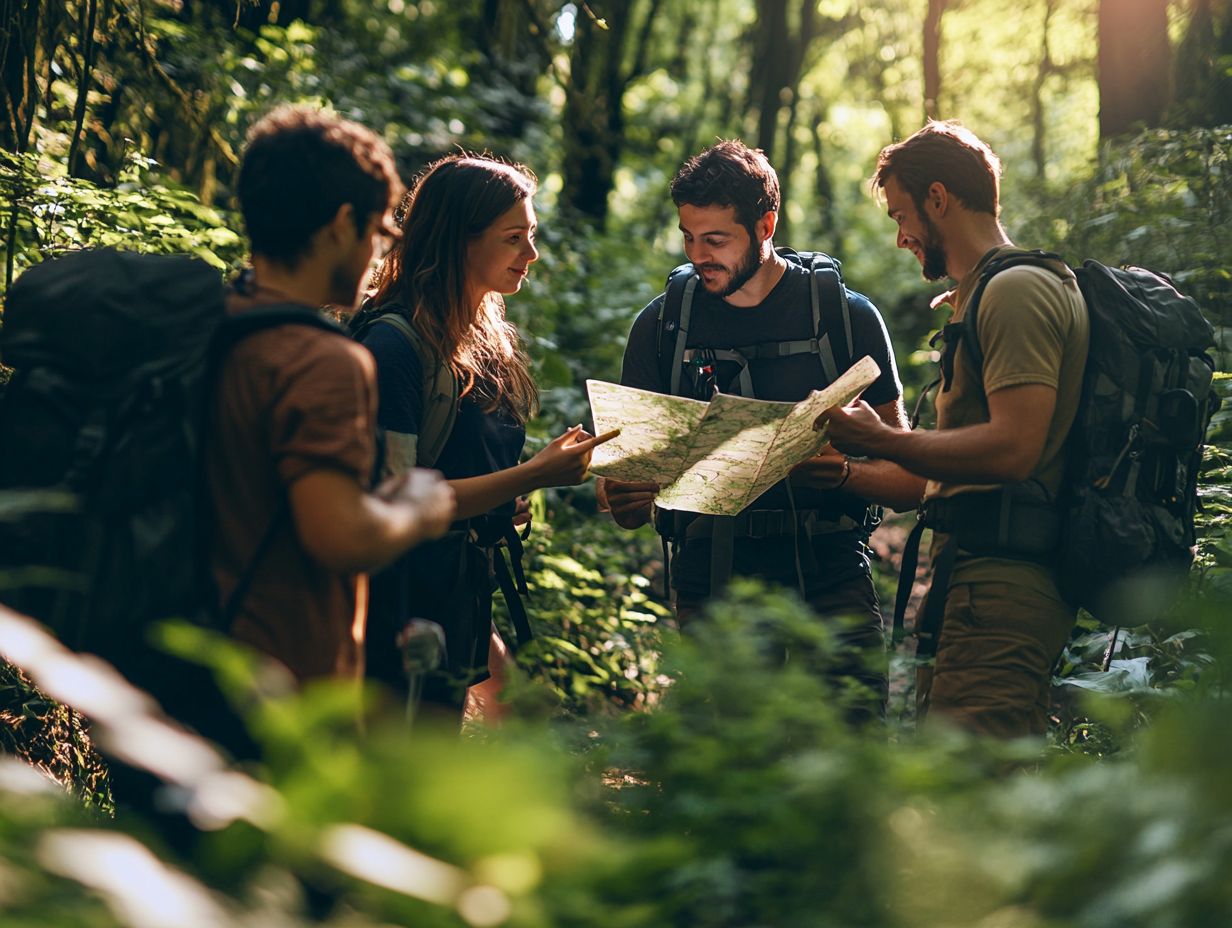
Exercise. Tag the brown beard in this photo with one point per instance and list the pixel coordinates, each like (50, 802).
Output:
(743, 272)
(934, 266)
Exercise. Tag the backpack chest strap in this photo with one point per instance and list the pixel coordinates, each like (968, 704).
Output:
(763, 350)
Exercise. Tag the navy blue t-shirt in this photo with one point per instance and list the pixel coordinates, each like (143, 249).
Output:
(480, 443)
(784, 315)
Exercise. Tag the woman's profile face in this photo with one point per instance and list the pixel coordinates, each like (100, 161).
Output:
(499, 258)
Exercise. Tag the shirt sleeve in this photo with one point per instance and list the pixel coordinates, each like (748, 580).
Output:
(1021, 328)
(399, 379)
(641, 365)
(870, 337)
(322, 412)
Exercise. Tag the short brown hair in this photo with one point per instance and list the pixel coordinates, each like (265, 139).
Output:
(729, 174)
(946, 153)
(301, 165)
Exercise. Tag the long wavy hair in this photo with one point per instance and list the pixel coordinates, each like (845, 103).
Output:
(449, 205)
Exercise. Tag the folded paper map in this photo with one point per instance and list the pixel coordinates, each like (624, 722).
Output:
(716, 457)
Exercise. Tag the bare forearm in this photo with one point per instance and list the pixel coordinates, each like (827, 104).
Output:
(344, 528)
(972, 454)
(477, 495)
(885, 483)
(367, 537)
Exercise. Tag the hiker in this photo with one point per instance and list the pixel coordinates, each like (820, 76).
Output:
(456, 392)
(292, 447)
(774, 325)
(998, 455)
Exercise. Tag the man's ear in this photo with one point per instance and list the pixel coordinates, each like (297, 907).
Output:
(342, 226)
(937, 200)
(337, 235)
(766, 225)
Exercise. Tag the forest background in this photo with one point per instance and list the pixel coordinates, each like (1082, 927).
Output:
(735, 799)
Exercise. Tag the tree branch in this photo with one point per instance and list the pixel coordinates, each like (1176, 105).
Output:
(83, 88)
(643, 44)
(155, 68)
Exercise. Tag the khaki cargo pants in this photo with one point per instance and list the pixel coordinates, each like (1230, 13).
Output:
(993, 670)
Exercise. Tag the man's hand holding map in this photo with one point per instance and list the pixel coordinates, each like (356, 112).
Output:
(717, 457)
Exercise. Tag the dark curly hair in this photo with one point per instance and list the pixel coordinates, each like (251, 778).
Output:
(729, 174)
(301, 165)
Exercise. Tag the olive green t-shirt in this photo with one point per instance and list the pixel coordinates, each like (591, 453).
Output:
(1033, 328)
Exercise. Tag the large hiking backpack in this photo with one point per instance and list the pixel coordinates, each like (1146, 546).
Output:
(103, 428)
(440, 385)
(1130, 490)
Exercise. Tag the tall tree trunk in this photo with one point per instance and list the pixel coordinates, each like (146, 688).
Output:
(823, 186)
(19, 29)
(789, 160)
(83, 85)
(779, 53)
(1134, 65)
(602, 65)
(932, 58)
(1042, 73)
(1203, 80)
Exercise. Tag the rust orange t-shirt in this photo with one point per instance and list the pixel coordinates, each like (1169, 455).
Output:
(289, 400)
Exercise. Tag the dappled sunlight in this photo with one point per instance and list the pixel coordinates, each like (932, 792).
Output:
(18, 778)
(128, 725)
(140, 890)
(379, 859)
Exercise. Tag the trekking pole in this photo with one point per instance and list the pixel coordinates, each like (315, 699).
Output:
(422, 644)
(1112, 643)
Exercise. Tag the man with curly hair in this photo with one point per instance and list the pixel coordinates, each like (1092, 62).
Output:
(292, 449)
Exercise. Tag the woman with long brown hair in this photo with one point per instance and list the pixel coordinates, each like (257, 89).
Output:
(468, 234)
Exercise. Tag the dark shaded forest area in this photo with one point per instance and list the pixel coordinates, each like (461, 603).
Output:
(643, 778)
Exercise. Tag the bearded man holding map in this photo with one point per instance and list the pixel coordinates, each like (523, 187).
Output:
(744, 318)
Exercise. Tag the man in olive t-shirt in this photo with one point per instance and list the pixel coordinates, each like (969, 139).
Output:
(1004, 622)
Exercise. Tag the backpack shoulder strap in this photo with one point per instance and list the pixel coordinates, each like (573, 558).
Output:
(831, 314)
(237, 327)
(440, 389)
(834, 343)
(674, 314)
(969, 330)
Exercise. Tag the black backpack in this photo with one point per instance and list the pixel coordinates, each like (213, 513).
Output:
(103, 428)
(1131, 486)
(833, 344)
(831, 341)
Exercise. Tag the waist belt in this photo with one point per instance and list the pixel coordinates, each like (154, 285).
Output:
(772, 523)
(1007, 523)
(1016, 523)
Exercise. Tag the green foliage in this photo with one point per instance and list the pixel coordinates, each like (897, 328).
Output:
(51, 738)
(740, 799)
(731, 793)
(756, 802)
(1164, 201)
(51, 212)
(596, 615)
